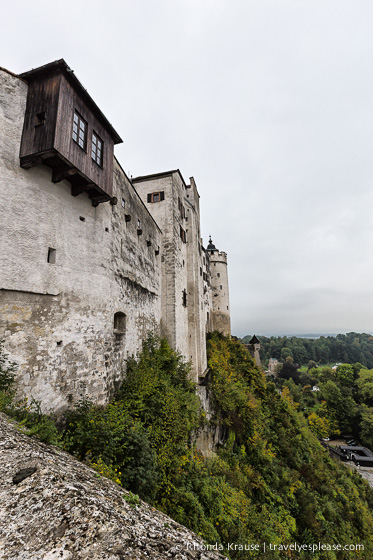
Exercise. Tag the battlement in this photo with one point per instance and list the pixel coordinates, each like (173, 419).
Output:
(218, 256)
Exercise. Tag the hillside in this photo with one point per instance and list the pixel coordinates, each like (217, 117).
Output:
(269, 483)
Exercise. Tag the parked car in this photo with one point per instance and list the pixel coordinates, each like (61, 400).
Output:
(351, 443)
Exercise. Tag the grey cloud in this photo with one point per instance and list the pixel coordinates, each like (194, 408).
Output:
(268, 104)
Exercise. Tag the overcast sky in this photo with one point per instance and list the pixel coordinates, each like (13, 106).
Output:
(268, 104)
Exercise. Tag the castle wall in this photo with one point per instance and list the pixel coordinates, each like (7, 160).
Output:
(58, 317)
(183, 264)
(168, 215)
(81, 286)
(197, 313)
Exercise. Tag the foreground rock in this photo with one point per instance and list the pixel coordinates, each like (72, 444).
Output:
(54, 508)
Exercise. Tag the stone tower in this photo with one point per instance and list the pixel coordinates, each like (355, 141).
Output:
(254, 348)
(174, 205)
(220, 293)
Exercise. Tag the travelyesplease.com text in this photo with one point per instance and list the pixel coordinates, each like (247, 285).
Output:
(256, 547)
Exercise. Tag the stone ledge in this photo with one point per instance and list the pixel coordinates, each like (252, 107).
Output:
(62, 511)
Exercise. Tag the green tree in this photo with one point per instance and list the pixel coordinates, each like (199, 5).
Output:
(286, 353)
(365, 385)
(341, 406)
(366, 433)
(319, 426)
(345, 374)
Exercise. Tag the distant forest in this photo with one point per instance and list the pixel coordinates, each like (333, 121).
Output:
(343, 348)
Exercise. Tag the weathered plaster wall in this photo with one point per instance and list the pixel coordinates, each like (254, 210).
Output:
(58, 318)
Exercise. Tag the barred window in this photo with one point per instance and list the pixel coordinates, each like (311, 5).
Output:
(97, 148)
(80, 130)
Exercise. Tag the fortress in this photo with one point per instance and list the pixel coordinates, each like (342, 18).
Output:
(92, 260)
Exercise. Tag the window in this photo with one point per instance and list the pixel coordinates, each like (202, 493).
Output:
(184, 298)
(119, 323)
(80, 130)
(218, 274)
(181, 208)
(156, 196)
(123, 202)
(51, 258)
(183, 235)
(97, 149)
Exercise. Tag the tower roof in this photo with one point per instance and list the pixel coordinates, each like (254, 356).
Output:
(211, 246)
(254, 340)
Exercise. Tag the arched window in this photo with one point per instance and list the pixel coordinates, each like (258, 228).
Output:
(119, 323)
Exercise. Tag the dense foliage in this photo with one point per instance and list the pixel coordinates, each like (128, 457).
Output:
(271, 481)
(336, 400)
(343, 348)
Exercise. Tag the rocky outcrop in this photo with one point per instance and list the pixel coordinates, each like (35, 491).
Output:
(52, 507)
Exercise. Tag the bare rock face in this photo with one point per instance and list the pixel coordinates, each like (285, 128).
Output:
(52, 507)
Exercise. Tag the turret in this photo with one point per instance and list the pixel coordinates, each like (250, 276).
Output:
(220, 292)
(254, 349)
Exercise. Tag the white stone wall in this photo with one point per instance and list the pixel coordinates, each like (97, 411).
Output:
(174, 324)
(196, 307)
(220, 293)
(182, 264)
(58, 318)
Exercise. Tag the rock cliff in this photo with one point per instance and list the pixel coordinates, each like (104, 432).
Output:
(52, 507)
